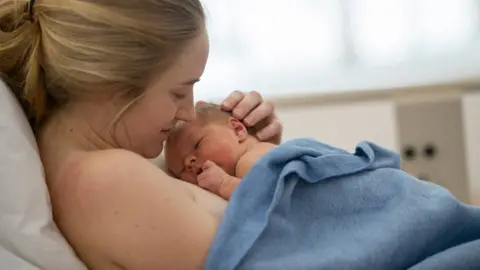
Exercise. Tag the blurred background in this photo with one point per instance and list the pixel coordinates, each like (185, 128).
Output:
(401, 73)
(310, 46)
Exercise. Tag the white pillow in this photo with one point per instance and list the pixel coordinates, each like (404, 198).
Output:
(160, 162)
(29, 238)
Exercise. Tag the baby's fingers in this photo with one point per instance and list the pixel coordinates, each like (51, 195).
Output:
(202, 180)
(205, 181)
(207, 165)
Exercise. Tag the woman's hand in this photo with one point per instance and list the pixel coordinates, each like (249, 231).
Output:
(254, 112)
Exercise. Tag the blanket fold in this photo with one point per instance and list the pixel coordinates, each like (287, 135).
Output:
(307, 205)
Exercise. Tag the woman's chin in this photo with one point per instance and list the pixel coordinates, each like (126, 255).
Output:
(153, 152)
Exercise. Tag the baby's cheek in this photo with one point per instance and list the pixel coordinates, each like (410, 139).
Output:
(225, 159)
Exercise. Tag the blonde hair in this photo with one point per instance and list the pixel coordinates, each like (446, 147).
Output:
(67, 49)
(212, 113)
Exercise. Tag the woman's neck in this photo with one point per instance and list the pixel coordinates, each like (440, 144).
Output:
(68, 134)
(82, 125)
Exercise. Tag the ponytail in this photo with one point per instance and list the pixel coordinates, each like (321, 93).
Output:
(56, 53)
(34, 86)
(21, 57)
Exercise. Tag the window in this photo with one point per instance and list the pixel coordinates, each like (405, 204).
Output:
(284, 47)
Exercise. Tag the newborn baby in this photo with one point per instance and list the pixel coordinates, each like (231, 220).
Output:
(214, 151)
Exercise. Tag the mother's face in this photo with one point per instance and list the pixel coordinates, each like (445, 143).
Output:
(145, 126)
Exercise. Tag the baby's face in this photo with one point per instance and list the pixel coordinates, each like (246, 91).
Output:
(193, 143)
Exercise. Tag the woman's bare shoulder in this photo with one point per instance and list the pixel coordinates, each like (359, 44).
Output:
(104, 167)
(126, 210)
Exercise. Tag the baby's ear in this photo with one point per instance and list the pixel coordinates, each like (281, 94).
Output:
(239, 128)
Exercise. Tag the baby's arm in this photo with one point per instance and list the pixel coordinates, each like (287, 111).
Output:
(228, 186)
(216, 180)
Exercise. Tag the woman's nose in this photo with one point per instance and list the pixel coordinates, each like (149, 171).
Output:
(186, 114)
(190, 164)
(186, 109)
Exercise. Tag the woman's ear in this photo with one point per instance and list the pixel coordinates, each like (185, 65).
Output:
(239, 128)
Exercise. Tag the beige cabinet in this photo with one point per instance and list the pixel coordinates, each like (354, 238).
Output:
(437, 133)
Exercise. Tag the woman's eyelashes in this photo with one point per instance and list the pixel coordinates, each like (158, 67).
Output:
(182, 93)
(178, 96)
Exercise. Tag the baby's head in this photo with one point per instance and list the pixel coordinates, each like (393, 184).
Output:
(214, 135)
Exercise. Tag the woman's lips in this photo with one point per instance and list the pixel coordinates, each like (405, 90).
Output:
(167, 131)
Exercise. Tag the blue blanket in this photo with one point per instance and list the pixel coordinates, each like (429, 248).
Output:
(307, 205)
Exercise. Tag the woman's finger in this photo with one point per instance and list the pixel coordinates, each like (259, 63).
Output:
(232, 100)
(249, 103)
(264, 111)
(272, 130)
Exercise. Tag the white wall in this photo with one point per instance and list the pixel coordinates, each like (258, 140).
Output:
(472, 137)
(343, 125)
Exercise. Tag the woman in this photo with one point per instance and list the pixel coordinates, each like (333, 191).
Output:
(105, 81)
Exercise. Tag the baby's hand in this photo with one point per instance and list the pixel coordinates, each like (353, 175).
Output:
(212, 177)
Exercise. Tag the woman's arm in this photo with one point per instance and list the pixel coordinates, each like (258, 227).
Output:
(132, 214)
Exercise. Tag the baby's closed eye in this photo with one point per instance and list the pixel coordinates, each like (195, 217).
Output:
(197, 145)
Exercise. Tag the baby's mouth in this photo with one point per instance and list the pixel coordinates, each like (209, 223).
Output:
(197, 170)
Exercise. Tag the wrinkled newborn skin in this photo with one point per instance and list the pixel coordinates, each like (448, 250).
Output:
(214, 151)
